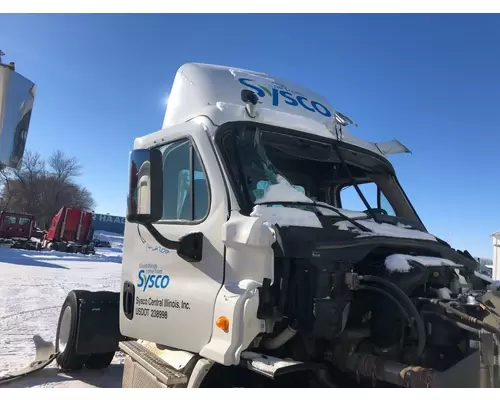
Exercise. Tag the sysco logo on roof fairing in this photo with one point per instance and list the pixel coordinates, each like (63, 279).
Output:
(293, 99)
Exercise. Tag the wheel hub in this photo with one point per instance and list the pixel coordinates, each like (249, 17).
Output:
(64, 329)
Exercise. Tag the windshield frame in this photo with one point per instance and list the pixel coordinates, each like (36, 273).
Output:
(241, 190)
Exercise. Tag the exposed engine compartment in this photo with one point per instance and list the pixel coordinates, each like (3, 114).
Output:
(396, 311)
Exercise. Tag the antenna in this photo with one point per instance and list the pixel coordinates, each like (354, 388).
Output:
(1, 55)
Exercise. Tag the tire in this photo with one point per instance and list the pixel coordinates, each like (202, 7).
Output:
(67, 329)
(99, 361)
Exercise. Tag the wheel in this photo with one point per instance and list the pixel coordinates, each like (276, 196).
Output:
(99, 361)
(67, 329)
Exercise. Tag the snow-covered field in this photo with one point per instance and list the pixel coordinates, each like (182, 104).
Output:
(33, 286)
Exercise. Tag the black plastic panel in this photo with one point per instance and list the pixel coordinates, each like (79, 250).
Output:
(99, 323)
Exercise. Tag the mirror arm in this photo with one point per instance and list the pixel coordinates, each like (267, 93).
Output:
(190, 247)
(162, 240)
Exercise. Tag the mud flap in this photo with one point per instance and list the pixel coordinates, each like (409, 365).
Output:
(45, 354)
(99, 324)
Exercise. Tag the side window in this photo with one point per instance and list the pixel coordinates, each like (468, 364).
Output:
(185, 188)
(23, 221)
(385, 205)
(350, 199)
(10, 220)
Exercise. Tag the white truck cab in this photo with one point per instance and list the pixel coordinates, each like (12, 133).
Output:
(244, 265)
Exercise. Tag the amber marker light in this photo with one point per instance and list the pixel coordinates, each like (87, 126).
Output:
(223, 323)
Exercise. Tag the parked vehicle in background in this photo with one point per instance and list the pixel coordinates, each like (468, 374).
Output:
(70, 231)
(16, 225)
(16, 231)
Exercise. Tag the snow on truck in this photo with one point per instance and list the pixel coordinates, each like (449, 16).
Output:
(244, 264)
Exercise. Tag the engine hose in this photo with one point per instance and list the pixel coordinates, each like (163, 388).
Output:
(458, 324)
(466, 317)
(284, 336)
(389, 296)
(407, 303)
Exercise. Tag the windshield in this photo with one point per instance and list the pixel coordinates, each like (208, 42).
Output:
(269, 167)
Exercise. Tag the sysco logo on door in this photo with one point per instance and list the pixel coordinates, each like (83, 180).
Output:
(151, 277)
(281, 94)
(152, 281)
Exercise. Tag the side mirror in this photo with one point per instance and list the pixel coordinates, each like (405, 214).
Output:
(17, 95)
(145, 202)
(145, 193)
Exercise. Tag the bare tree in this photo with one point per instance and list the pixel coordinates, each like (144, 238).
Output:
(42, 187)
(64, 168)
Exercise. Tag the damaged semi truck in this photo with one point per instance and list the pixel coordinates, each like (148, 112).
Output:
(245, 266)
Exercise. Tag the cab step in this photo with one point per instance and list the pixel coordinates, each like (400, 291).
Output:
(145, 369)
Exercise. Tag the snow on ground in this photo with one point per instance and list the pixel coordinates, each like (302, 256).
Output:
(33, 286)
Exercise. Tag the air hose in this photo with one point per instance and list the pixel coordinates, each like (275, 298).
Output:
(389, 296)
(458, 324)
(465, 317)
(406, 303)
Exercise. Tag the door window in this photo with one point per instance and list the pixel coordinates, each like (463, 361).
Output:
(185, 187)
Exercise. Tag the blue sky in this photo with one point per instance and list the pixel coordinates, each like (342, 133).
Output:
(432, 81)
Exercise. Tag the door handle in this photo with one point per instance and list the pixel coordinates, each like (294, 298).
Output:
(128, 299)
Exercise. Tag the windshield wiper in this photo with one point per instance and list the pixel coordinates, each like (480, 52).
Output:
(353, 181)
(316, 205)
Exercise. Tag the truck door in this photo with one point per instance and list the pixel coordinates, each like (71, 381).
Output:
(173, 299)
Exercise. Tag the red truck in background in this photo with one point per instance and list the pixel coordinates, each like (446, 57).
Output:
(14, 225)
(70, 231)
(16, 231)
